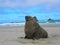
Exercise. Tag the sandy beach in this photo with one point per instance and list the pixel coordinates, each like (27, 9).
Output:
(15, 36)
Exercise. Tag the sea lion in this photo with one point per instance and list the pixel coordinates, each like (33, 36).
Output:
(33, 30)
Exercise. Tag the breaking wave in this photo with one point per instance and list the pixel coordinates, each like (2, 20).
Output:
(22, 24)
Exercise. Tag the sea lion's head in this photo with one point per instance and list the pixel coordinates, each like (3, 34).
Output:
(28, 18)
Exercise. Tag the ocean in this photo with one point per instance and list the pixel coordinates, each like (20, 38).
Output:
(21, 24)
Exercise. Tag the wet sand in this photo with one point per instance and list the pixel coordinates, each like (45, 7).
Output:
(15, 36)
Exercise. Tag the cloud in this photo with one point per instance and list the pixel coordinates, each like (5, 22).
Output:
(27, 3)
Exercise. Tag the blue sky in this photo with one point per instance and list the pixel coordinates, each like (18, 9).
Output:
(43, 9)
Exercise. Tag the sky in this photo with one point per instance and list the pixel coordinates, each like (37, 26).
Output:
(28, 3)
(43, 9)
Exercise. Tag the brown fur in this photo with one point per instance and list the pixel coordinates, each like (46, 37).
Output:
(33, 30)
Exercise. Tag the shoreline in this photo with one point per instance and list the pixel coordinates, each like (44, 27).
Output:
(24, 26)
(16, 25)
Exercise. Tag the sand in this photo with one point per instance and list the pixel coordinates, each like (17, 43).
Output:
(15, 36)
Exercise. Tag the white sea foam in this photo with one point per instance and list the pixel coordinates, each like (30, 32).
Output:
(22, 24)
(50, 24)
(12, 24)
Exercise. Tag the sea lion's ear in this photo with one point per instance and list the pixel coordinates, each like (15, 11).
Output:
(34, 18)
